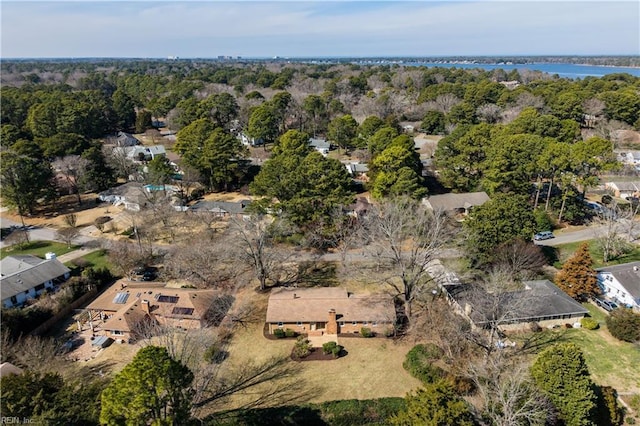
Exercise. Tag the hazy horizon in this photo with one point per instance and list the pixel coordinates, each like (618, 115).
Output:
(330, 29)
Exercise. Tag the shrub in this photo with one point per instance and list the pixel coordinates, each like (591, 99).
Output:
(302, 348)
(462, 385)
(390, 331)
(418, 363)
(634, 403)
(366, 332)
(609, 410)
(214, 354)
(279, 333)
(630, 421)
(624, 324)
(290, 333)
(331, 348)
(589, 323)
(328, 347)
(535, 327)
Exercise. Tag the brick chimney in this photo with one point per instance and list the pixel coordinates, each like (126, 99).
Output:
(145, 306)
(332, 324)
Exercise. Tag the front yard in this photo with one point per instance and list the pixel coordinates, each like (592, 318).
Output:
(372, 367)
(37, 248)
(611, 361)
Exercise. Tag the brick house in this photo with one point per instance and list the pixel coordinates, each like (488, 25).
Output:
(328, 310)
(125, 308)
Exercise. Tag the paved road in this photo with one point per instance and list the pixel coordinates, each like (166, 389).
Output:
(573, 236)
(38, 233)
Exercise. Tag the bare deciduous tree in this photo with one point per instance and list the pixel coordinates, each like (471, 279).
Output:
(71, 220)
(254, 239)
(125, 256)
(17, 237)
(67, 235)
(509, 397)
(519, 258)
(72, 168)
(406, 237)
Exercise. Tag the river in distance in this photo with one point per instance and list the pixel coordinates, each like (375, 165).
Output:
(562, 70)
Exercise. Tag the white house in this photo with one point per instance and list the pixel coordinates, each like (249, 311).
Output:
(320, 145)
(249, 141)
(621, 283)
(141, 153)
(26, 277)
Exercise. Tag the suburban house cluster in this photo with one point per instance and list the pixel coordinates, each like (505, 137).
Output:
(26, 277)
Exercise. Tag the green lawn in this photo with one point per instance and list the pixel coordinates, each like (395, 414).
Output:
(97, 259)
(37, 248)
(611, 361)
(565, 251)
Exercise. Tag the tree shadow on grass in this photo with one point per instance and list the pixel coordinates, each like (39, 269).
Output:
(533, 343)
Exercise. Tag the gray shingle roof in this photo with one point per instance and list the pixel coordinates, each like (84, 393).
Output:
(21, 273)
(627, 276)
(221, 206)
(538, 300)
(448, 202)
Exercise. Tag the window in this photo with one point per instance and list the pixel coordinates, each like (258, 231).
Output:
(374, 323)
(280, 324)
(299, 323)
(354, 323)
(40, 287)
(341, 323)
(14, 300)
(116, 332)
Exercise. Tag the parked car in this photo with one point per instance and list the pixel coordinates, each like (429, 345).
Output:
(607, 305)
(544, 235)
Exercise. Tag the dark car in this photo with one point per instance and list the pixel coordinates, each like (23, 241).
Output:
(606, 304)
(148, 276)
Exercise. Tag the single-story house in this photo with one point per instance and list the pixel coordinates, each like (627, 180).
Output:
(141, 153)
(624, 189)
(125, 139)
(320, 145)
(26, 277)
(328, 310)
(7, 369)
(222, 208)
(621, 283)
(539, 301)
(126, 306)
(455, 203)
(131, 195)
(358, 170)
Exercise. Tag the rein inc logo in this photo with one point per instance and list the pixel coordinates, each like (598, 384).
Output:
(16, 420)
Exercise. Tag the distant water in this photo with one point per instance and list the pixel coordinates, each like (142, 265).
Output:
(562, 70)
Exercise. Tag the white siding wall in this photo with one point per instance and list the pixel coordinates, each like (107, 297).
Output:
(614, 290)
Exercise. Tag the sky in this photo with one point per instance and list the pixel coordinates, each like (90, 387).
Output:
(206, 29)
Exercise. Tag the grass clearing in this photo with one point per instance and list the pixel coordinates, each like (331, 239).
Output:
(97, 259)
(37, 248)
(611, 361)
(565, 251)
